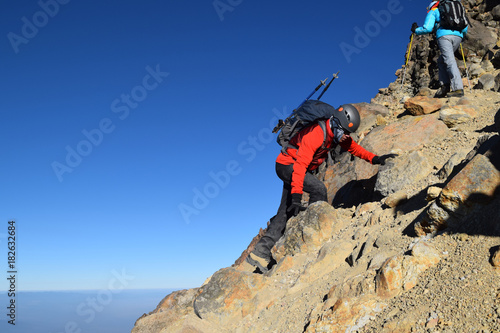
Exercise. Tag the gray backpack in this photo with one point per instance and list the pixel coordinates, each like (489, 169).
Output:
(452, 14)
(309, 113)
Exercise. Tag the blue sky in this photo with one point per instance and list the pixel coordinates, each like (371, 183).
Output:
(135, 135)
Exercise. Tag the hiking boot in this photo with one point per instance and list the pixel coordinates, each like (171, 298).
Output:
(258, 262)
(456, 93)
(442, 91)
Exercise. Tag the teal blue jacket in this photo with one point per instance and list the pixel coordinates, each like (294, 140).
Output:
(432, 22)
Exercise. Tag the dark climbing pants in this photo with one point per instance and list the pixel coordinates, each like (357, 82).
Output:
(312, 185)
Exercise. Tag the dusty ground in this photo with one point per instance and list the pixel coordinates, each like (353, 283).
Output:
(462, 293)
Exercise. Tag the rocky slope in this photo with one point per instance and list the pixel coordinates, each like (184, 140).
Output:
(412, 246)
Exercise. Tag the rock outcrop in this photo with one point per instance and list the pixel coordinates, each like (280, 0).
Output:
(476, 185)
(411, 246)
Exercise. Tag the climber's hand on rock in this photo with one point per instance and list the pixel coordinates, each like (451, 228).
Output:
(381, 159)
(296, 206)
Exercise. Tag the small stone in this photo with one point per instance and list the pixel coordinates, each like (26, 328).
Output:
(433, 192)
(487, 66)
(381, 121)
(486, 82)
(495, 259)
(432, 323)
(424, 92)
(396, 199)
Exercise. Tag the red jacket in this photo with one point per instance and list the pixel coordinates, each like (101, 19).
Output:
(310, 153)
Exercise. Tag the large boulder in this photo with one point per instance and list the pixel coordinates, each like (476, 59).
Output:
(400, 273)
(402, 171)
(457, 114)
(226, 298)
(480, 38)
(475, 184)
(496, 12)
(174, 314)
(406, 135)
(308, 231)
(343, 186)
(467, 194)
(351, 181)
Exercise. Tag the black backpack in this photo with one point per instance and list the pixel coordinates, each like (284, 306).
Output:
(452, 14)
(309, 113)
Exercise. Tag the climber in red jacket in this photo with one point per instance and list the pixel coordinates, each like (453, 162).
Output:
(306, 152)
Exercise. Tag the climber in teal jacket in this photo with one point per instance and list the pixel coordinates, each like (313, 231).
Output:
(448, 42)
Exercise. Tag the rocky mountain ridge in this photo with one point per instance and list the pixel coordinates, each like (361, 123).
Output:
(412, 246)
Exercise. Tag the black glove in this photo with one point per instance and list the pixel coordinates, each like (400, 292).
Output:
(296, 206)
(414, 27)
(381, 159)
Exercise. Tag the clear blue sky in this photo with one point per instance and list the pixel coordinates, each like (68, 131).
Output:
(116, 115)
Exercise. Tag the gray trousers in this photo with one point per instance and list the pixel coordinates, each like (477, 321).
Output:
(448, 68)
(312, 185)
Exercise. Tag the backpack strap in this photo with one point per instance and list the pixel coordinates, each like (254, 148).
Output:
(288, 145)
(321, 124)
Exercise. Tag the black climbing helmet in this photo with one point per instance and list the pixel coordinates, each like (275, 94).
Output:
(349, 117)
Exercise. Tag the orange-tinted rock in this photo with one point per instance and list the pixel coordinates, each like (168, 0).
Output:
(400, 273)
(421, 105)
(475, 184)
(308, 231)
(347, 315)
(223, 298)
